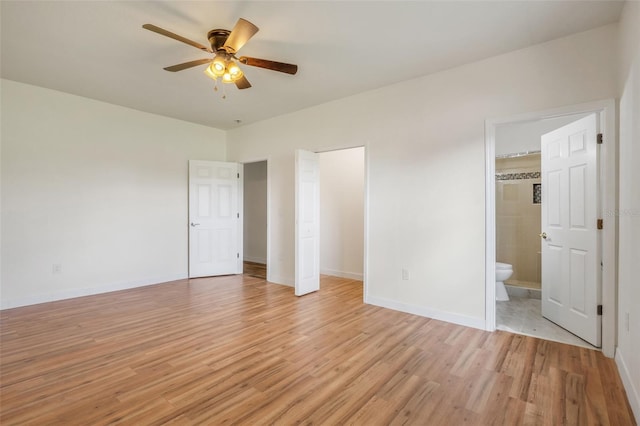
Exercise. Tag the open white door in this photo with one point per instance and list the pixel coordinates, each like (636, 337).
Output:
(215, 224)
(571, 273)
(307, 223)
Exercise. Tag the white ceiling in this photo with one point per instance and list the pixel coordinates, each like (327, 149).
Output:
(98, 49)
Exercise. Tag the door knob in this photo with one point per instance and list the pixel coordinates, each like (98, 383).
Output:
(194, 224)
(543, 235)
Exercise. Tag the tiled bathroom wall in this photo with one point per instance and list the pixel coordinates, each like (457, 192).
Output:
(518, 210)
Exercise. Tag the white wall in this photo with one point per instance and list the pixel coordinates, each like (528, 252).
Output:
(98, 189)
(342, 213)
(628, 350)
(425, 165)
(255, 212)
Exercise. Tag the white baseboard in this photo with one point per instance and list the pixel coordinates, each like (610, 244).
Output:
(255, 259)
(633, 394)
(79, 292)
(342, 274)
(426, 312)
(275, 279)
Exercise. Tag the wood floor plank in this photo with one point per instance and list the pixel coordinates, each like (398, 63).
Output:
(240, 350)
(372, 413)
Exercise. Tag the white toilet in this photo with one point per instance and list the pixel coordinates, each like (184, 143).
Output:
(503, 272)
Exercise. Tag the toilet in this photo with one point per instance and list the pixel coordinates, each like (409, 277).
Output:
(503, 272)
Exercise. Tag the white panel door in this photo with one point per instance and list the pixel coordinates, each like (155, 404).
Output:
(215, 224)
(307, 278)
(571, 273)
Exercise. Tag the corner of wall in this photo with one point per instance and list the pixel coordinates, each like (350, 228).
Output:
(633, 394)
(627, 354)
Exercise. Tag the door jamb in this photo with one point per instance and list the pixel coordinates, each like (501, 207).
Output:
(608, 202)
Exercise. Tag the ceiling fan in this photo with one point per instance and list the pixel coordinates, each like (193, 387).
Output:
(224, 45)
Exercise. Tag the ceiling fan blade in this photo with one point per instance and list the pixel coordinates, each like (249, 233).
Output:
(243, 83)
(169, 34)
(185, 65)
(270, 65)
(240, 34)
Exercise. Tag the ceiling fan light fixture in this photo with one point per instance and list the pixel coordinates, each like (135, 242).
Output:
(217, 67)
(220, 62)
(224, 68)
(234, 71)
(209, 72)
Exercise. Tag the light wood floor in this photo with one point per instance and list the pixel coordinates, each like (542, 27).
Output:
(255, 270)
(237, 350)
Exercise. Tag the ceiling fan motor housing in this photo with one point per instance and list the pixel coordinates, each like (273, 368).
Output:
(217, 39)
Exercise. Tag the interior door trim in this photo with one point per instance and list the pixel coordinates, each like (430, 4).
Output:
(607, 110)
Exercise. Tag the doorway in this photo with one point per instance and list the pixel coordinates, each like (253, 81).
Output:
(330, 205)
(255, 226)
(342, 213)
(521, 213)
(494, 148)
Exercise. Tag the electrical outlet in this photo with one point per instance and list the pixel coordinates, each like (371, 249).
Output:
(405, 274)
(56, 268)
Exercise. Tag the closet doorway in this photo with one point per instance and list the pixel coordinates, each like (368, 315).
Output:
(255, 196)
(342, 213)
(329, 208)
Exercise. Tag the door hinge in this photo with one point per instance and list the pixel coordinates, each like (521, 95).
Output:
(238, 256)
(600, 223)
(238, 215)
(238, 175)
(599, 309)
(599, 138)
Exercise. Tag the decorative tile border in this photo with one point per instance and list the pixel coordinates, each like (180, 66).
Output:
(517, 176)
(537, 193)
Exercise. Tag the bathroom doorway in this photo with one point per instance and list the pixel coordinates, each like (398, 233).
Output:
(514, 219)
(518, 244)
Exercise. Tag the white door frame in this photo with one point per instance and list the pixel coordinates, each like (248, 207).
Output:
(257, 160)
(608, 196)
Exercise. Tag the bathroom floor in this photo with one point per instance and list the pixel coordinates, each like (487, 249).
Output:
(523, 315)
